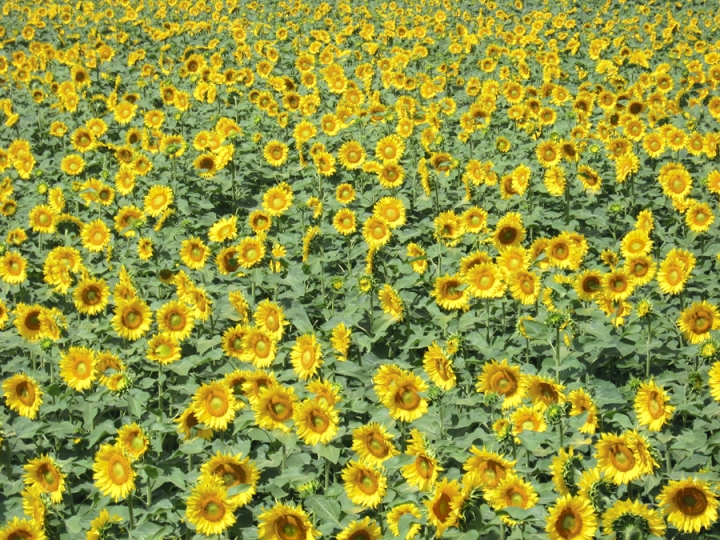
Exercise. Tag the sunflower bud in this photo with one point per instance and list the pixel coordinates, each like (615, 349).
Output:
(554, 414)
(695, 380)
(634, 383)
(491, 398)
(46, 344)
(365, 284)
(556, 319)
(42, 188)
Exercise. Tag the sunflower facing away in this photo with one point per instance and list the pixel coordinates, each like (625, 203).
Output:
(632, 519)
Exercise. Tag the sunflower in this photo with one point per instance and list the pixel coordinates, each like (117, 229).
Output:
(449, 228)
(404, 401)
(306, 356)
(698, 320)
(544, 392)
(72, 164)
(277, 200)
(360, 530)
(509, 231)
(439, 367)
(589, 178)
(175, 319)
(618, 459)
(699, 217)
(563, 468)
(275, 153)
(571, 518)
(27, 321)
(215, 405)
(528, 419)
(232, 471)
(352, 156)
(43, 219)
(672, 276)
(390, 149)
(317, 422)
(475, 220)
(450, 293)
(628, 519)
(397, 512)
(91, 296)
(641, 268)
(391, 210)
(209, 507)
(344, 221)
(163, 348)
(132, 319)
(484, 280)
(376, 232)
(194, 253)
(373, 444)
(223, 229)
(423, 471)
(689, 505)
(77, 368)
(131, 438)
(187, 421)
(270, 318)
(390, 175)
(651, 406)
(274, 406)
(443, 508)
(95, 236)
(22, 529)
(285, 522)
(250, 251)
(391, 302)
(512, 491)
(504, 380)
(418, 258)
(44, 473)
(13, 268)
(23, 395)
(548, 154)
(34, 505)
(364, 485)
(581, 403)
(260, 348)
(158, 199)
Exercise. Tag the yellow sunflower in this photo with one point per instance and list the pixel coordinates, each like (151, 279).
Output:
(317, 422)
(158, 199)
(360, 530)
(95, 235)
(13, 268)
(443, 508)
(352, 156)
(581, 403)
(175, 319)
(215, 405)
(690, 505)
(509, 231)
(450, 292)
(131, 438)
(404, 400)
(439, 367)
(698, 320)
(373, 444)
(306, 356)
(132, 319)
(392, 210)
(714, 381)
(484, 280)
(528, 419)
(364, 485)
(545, 392)
(504, 380)
(43, 219)
(23, 395)
(512, 491)
(187, 421)
(22, 529)
(651, 406)
(77, 368)
(571, 518)
(274, 406)
(209, 507)
(223, 229)
(275, 153)
(285, 522)
(194, 253)
(91, 296)
(260, 348)
(164, 349)
(233, 470)
(423, 471)
(72, 164)
(250, 251)
(394, 515)
(44, 473)
(376, 232)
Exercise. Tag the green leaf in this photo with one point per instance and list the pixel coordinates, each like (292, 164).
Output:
(329, 452)
(325, 509)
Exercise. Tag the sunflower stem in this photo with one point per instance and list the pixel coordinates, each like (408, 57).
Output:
(284, 455)
(487, 321)
(160, 388)
(647, 351)
(372, 318)
(130, 510)
(148, 499)
(327, 474)
(561, 429)
(567, 203)
(557, 346)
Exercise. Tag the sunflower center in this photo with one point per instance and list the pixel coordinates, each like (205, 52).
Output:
(568, 524)
(674, 277)
(376, 445)
(378, 232)
(503, 383)
(118, 471)
(441, 508)
(132, 318)
(32, 321)
(196, 253)
(367, 484)
(622, 458)
(81, 369)
(424, 467)
(655, 405)
(44, 220)
(261, 348)
(691, 501)
(702, 321)
(517, 498)
(137, 443)
(307, 359)
(407, 398)
(507, 235)
(25, 393)
(213, 510)
(290, 528)
(279, 410)
(486, 281)
(318, 422)
(15, 268)
(528, 424)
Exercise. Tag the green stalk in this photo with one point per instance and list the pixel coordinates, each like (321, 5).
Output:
(647, 352)
(130, 510)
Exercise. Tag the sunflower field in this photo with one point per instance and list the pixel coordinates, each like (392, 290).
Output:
(363, 270)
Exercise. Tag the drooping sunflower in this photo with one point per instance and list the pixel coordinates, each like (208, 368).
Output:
(698, 320)
(373, 444)
(364, 485)
(215, 405)
(132, 319)
(564, 468)
(391, 302)
(209, 507)
(274, 406)
(317, 422)
(23, 395)
(22, 529)
(512, 491)
(627, 519)
(443, 508)
(233, 470)
(306, 356)
(450, 292)
(91, 296)
(404, 400)
(340, 340)
(689, 505)
(571, 518)
(651, 406)
(34, 505)
(77, 368)
(439, 367)
(285, 522)
(44, 473)
(504, 380)
(131, 438)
